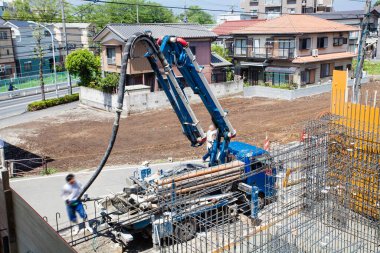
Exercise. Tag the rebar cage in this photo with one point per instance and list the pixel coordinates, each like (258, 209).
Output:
(326, 199)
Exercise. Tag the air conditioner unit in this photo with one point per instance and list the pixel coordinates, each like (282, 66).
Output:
(314, 52)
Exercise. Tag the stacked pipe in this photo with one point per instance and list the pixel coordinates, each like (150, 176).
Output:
(201, 179)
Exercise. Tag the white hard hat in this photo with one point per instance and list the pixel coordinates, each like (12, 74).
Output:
(145, 163)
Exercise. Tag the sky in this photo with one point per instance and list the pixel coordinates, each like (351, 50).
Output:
(339, 5)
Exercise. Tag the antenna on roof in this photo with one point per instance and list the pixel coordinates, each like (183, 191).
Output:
(185, 18)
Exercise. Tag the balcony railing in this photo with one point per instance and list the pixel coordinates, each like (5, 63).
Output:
(273, 3)
(264, 52)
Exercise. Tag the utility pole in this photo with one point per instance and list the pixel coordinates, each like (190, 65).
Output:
(137, 13)
(69, 87)
(361, 52)
(185, 19)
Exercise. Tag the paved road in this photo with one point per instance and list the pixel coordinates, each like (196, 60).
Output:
(43, 193)
(16, 106)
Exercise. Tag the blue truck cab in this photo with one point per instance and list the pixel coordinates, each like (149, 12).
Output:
(257, 168)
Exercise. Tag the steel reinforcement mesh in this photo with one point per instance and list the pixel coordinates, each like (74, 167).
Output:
(326, 199)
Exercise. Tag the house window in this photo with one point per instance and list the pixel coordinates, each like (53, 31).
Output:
(256, 47)
(7, 51)
(326, 70)
(339, 41)
(338, 67)
(193, 50)
(241, 47)
(286, 48)
(3, 35)
(28, 66)
(47, 34)
(292, 1)
(305, 43)
(291, 10)
(111, 55)
(308, 76)
(277, 79)
(322, 42)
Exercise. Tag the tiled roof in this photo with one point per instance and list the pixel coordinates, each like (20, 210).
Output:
(296, 24)
(228, 27)
(219, 61)
(323, 57)
(337, 15)
(158, 30)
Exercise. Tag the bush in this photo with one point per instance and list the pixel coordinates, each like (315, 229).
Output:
(109, 83)
(39, 105)
(84, 64)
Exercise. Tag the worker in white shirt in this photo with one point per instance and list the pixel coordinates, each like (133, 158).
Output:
(212, 134)
(70, 193)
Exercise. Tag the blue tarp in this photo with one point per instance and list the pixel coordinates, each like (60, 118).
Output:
(241, 150)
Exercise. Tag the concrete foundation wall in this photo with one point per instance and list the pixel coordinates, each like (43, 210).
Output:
(33, 233)
(134, 103)
(26, 231)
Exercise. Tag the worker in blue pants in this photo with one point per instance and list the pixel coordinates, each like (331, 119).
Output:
(212, 134)
(70, 193)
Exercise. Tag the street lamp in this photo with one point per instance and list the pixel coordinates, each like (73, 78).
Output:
(53, 48)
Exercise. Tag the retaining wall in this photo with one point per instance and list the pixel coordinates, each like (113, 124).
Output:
(275, 93)
(140, 102)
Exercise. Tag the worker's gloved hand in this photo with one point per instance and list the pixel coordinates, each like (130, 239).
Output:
(67, 202)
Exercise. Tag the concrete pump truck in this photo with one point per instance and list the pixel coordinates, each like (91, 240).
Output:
(157, 201)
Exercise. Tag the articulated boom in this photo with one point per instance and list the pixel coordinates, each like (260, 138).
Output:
(175, 51)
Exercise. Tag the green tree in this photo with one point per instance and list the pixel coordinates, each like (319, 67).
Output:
(84, 64)
(377, 3)
(38, 35)
(124, 13)
(221, 51)
(40, 10)
(196, 15)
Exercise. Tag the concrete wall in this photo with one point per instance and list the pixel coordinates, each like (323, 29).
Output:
(27, 231)
(141, 102)
(267, 92)
(275, 93)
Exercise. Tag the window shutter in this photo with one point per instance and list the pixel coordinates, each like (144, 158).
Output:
(308, 43)
(325, 42)
(331, 68)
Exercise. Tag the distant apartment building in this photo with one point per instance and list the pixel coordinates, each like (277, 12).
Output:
(268, 9)
(355, 18)
(4, 4)
(114, 36)
(293, 50)
(7, 57)
(24, 43)
(79, 35)
(233, 17)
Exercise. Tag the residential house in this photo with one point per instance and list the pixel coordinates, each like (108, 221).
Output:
(294, 50)
(27, 62)
(224, 31)
(114, 36)
(355, 18)
(7, 57)
(79, 35)
(268, 9)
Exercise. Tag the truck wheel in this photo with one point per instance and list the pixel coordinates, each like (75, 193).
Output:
(186, 230)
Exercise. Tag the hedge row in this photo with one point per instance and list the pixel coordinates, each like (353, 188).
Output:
(39, 105)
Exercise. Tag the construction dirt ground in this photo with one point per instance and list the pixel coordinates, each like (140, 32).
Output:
(76, 139)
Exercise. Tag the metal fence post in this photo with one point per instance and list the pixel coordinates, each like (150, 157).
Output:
(2, 154)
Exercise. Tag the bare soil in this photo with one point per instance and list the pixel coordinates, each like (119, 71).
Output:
(77, 139)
